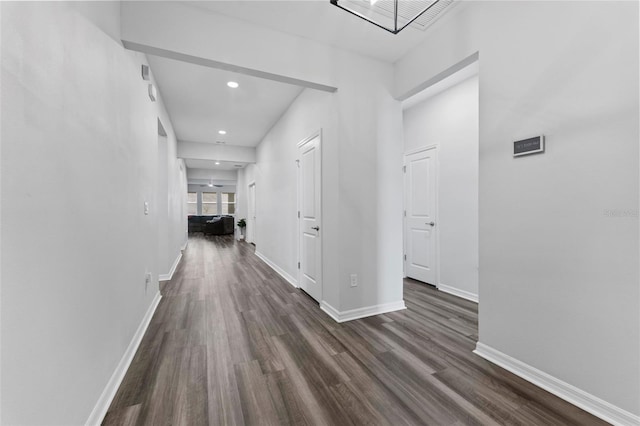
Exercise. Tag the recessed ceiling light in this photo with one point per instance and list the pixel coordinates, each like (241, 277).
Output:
(217, 163)
(232, 84)
(222, 132)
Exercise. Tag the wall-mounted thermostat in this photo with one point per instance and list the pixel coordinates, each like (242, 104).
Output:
(145, 72)
(152, 92)
(528, 146)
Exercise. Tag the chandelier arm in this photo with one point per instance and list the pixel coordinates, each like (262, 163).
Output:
(335, 3)
(395, 16)
(396, 30)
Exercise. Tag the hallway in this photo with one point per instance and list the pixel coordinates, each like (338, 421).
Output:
(232, 343)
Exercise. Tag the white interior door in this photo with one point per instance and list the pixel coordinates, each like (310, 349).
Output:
(309, 212)
(421, 225)
(251, 214)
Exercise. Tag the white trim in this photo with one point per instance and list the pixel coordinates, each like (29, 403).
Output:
(278, 269)
(421, 149)
(457, 292)
(367, 311)
(590, 403)
(167, 277)
(184, 246)
(100, 410)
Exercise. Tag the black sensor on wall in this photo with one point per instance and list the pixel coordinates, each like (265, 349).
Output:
(528, 146)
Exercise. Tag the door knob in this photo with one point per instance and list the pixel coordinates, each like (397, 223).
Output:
(431, 223)
(317, 228)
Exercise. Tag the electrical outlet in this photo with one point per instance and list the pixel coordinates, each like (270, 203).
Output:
(146, 207)
(354, 280)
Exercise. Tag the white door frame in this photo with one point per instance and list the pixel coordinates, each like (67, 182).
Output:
(316, 134)
(437, 209)
(252, 219)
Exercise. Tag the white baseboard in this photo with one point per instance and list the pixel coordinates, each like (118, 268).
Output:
(184, 246)
(101, 407)
(457, 292)
(361, 312)
(590, 403)
(279, 270)
(167, 277)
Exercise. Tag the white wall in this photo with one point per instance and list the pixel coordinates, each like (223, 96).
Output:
(162, 206)
(210, 151)
(450, 120)
(245, 176)
(188, 29)
(177, 204)
(79, 158)
(559, 285)
(362, 222)
(275, 175)
(362, 151)
(206, 175)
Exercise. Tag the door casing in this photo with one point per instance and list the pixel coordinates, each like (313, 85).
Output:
(436, 212)
(316, 135)
(251, 213)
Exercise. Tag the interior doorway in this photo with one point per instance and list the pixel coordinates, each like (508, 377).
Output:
(251, 214)
(310, 216)
(441, 141)
(162, 203)
(421, 210)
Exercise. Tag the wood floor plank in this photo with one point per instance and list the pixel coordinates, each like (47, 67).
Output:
(127, 416)
(232, 343)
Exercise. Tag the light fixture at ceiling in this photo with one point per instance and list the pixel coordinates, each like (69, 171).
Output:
(390, 15)
(217, 163)
(210, 184)
(233, 84)
(222, 132)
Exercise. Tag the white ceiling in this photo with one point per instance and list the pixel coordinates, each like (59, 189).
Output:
(200, 103)
(319, 20)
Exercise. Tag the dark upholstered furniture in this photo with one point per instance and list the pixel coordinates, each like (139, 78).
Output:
(215, 225)
(196, 223)
(219, 225)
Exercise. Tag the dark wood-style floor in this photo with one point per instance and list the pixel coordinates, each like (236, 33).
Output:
(232, 343)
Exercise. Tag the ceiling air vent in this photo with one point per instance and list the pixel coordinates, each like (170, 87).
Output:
(221, 142)
(237, 165)
(432, 15)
